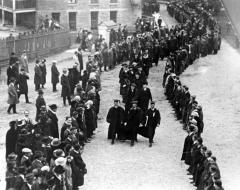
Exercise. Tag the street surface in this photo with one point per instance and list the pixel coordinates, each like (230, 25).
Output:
(214, 79)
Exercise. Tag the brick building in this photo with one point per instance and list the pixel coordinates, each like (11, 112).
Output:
(72, 14)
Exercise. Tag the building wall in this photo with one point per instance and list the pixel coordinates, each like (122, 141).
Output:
(47, 7)
(126, 14)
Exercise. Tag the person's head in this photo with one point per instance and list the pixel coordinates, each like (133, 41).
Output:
(68, 120)
(116, 103)
(152, 104)
(53, 107)
(13, 124)
(54, 63)
(134, 104)
(133, 86)
(75, 114)
(203, 150)
(40, 92)
(26, 113)
(145, 84)
(12, 80)
(137, 76)
(208, 153)
(65, 71)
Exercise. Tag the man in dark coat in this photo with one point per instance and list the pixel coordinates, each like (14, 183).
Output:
(78, 167)
(22, 85)
(12, 72)
(44, 72)
(39, 103)
(186, 155)
(131, 95)
(37, 75)
(144, 97)
(115, 118)
(66, 89)
(11, 138)
(53, 121)
(153, 119)
(80, 59)
(134, 120)
(55, 76)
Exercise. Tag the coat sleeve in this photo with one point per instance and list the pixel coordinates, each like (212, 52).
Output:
(158, 115)
(109, 115)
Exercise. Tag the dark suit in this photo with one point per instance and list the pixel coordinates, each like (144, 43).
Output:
(37, 77)
(23, 86)
(153, 119)
(134, 120)
(186, 155)
(115, 118)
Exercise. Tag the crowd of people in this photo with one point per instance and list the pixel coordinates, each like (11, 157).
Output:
(39, 156)
(197, 22)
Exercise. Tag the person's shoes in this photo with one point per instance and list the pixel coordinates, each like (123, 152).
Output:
(150, 144)
(15, 112)
(112, 142)
(8, 112)
(132, 144)
(28, 102)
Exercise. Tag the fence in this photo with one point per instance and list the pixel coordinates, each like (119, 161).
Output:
(36, 45)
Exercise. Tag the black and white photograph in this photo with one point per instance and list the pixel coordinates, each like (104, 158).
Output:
(119, 95)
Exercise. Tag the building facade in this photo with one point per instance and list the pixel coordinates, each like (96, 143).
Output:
(73, 14)
(87, 14)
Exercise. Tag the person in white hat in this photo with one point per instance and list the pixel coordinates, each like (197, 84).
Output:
(26, 158)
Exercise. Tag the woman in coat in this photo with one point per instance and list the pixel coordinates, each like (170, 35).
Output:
(12, 96)
(66, 90)
(55, 76)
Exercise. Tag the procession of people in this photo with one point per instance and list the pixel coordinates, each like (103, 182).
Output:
(41, 155)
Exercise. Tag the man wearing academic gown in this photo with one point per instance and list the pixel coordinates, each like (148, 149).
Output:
(144, 97)
(134, 121)
(115, 118)
(188, 143)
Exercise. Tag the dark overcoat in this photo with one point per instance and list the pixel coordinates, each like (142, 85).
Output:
(144, 96)
(11, 141)
(22, 84)
(115, 118)
(186, 155)
(53, 124)
(55, 74)
(66, 90)
(37, 75)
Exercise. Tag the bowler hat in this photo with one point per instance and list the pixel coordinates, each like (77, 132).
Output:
(55, 142)
(58, 153)
(53, 106)
(59, 170)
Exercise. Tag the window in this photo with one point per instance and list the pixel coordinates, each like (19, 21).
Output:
(56, 17)
(73, 21)
(113, 1)
(113, 16)
(72, 1)
(94, 1)
(94, 20)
